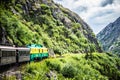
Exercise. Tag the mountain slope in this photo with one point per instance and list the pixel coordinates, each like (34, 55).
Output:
(72, 67)
(109, 37)
(44, 22)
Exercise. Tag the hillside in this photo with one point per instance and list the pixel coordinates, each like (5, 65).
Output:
(109, 37)
(73, 67)
(45, 22)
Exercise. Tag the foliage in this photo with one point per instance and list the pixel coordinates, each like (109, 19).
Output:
(69, 71)
(53, 65)
(27, 22)
(104, 66)
(35, 71)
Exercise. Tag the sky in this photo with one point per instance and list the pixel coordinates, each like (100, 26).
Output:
(97, 13)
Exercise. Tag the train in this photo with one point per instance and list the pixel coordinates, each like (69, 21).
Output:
(31, 52)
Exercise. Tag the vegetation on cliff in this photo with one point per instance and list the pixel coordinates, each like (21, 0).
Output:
(103, 66)
(44, 22)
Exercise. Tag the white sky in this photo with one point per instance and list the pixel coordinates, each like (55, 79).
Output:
(97, 13)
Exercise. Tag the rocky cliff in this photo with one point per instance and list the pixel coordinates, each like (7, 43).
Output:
(47, 23)
(109, 37)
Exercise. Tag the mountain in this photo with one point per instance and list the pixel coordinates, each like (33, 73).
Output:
(109, 37)
(45, 22)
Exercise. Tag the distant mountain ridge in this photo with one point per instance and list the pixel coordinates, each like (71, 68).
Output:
(109, 37)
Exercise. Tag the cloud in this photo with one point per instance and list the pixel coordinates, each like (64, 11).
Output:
(106, 2)
(97, 13)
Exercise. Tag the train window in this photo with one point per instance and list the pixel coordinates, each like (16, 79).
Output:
(4, 54)
(8, 53)
(23, 53)
(20, 53)
(12, 53)
(27, 53)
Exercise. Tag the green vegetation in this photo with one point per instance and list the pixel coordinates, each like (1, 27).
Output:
(75, 67)
(40, 24)
(16, 29)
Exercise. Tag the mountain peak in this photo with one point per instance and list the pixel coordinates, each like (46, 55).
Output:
(110, 35)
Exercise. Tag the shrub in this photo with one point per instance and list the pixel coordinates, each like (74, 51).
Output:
(53, 65)
(63, 60)
(45, 9)
(57, 50)
(69, 71)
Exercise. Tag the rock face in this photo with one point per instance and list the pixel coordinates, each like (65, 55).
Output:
(109, 37)
(44, 22)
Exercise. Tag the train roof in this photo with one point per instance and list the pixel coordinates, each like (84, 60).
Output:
(3, 47)
(39, 47)
(34, 46)
(7, 48)
(11, 47)
(44, 48)
(22, 48)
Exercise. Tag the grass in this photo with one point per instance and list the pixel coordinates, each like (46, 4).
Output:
(75, 67)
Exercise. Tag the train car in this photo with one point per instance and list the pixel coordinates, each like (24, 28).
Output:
(37, 52)
(7, 55)
(23, 54)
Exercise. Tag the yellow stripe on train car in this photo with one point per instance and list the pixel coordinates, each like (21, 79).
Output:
(45, 50)
(34, 50)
